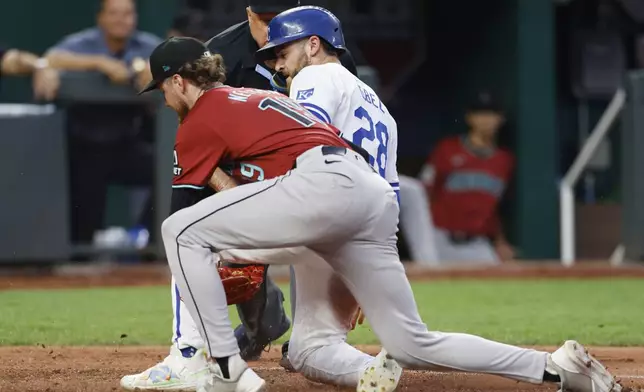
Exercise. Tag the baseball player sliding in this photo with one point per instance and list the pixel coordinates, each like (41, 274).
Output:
(328, 199)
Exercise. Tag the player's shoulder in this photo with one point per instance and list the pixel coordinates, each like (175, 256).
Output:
(323, 75)
(322, 71)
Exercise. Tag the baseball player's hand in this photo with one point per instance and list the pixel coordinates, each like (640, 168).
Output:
(116, 70)
(46, 82)
(358, 319)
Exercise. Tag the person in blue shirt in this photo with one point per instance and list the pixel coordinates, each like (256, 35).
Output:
(106, 141)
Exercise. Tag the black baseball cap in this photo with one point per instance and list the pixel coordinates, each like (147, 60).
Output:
(485, 102)
(170, 56)
(271, 6)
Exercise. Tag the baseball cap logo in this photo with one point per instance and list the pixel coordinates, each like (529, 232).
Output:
(166, 68)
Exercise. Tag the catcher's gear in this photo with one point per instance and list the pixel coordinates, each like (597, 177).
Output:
(241, 283)
(302, 22)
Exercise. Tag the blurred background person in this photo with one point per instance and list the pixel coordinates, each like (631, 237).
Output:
(466, 178)
(191, 22)
(108, 143)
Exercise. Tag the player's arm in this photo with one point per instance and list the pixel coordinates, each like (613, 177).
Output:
(220, 181)
(317, 92)
(197, 154)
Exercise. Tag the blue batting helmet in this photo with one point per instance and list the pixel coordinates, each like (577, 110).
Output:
(302, 22)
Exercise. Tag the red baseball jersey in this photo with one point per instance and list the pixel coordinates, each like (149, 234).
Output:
(467, 187)
(251, 134)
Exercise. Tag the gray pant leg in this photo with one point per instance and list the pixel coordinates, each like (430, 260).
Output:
(321, 202)
(292, 287)
(377, 279)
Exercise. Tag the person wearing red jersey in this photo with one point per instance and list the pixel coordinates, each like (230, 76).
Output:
(466, 177)
(328, 200)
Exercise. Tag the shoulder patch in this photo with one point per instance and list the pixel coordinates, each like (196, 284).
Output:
(304, 94)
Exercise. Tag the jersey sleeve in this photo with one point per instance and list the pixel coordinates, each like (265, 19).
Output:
(314, 88)
(391, 171)
(197, 153)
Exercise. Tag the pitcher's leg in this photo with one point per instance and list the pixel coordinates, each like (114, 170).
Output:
(377, 278)
(246, 217)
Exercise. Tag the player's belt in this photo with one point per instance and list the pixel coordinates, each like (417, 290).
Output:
(329, 150)
(334, 150)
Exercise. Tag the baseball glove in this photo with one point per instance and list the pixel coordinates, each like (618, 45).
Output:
(241, 283)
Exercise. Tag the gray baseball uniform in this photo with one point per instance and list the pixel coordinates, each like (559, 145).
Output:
(336, 205)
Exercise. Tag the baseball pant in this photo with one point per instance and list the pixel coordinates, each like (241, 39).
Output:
(318, 348)
(334, 204)
(416, 222)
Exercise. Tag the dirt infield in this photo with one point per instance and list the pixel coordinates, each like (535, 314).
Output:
(98, 369)
(69, 276)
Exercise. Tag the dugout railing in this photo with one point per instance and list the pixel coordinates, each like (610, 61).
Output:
(626, 109)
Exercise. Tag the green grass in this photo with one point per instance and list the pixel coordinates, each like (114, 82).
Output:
(598, 312)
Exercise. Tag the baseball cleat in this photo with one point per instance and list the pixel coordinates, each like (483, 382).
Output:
(579, 371)
(284, 361)
(381, 375)
(175, 373)
(242, 378)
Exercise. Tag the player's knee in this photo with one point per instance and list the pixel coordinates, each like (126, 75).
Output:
(170, 228)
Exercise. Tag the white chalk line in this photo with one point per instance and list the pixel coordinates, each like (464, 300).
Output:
(279, 368)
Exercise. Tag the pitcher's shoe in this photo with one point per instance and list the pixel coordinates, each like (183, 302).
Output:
(381, 375)
(242, 378)
(580, 371)
(175, 373)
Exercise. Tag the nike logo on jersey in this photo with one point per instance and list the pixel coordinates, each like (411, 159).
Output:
(328, 162)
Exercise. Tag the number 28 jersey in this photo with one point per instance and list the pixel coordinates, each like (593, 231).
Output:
(334, 95)
(252, 134)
